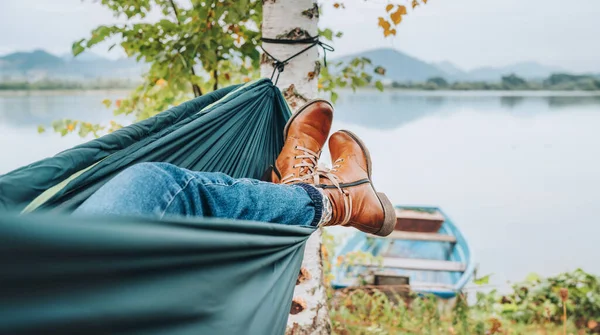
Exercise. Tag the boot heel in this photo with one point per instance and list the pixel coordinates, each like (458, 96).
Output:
(389, 221)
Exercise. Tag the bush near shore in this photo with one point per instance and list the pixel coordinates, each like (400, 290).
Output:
(568, 303)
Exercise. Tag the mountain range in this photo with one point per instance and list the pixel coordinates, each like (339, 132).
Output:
(40, 64)
(400, 67)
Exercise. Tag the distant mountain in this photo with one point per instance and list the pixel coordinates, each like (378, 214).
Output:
(527, 70)
(82, 57)
(399, 66)
(25, 61)
(40, 64)
(450, 69)
(404, 68)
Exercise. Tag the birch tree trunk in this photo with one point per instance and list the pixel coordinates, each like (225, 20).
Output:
(297, 19)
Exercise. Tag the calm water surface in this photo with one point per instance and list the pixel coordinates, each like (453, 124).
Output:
(519, 173)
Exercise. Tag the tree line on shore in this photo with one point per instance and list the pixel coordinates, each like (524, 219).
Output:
(512, 82)
(59, 84)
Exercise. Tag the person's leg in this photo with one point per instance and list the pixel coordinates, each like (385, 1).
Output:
(162, 189)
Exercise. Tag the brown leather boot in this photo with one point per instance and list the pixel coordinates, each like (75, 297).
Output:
(350, 191)
(305, 134)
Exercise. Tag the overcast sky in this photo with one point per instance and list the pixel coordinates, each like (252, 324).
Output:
(468, 33)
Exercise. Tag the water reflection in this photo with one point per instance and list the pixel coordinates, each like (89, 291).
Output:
(394, 109)
(370, 109)
(27, 110)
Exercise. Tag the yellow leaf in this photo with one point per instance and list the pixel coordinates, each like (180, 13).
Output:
(396, 17)
(246, 79)
(161, 82)
(402, 10)
(384, 24)
(70, 127)
(415, 3)
(424, 1)
(389, 7)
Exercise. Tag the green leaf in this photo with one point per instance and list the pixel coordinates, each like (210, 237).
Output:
(327, 33)
(533, 277)
(107, 103)
(379, 70)
(334, 97)
(41, 129)
(482, 280)
(77, 48)
(379, 85)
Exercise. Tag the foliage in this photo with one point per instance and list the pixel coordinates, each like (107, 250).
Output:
(438, 82)
(534, 306)
(539, 300)
(200, 45)
(351, 75)
(217, 38)
(512, 81)
(394, 16)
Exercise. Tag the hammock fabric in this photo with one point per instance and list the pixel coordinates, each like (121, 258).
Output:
(106, 275)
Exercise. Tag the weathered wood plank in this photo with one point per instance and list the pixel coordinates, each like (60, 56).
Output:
(414, 236)
(421, 264)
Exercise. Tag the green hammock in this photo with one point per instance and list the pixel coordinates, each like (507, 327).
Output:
(64, 274)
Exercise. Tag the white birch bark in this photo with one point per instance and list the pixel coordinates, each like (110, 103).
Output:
(298, 19)
(291, 19)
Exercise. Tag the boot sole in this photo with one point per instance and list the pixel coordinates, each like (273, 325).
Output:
(389, 212)
(389, 215)
(303, 108)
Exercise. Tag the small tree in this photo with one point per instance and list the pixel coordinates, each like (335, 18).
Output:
(513, 81)
(201, 45)
(438, 82)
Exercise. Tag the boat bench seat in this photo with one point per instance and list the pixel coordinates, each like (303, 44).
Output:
(414, 236)
(421, 264)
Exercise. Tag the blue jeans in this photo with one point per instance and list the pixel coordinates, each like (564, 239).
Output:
(161, 189)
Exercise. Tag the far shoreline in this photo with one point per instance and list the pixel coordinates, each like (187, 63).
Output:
(51, 92)
(502, 93)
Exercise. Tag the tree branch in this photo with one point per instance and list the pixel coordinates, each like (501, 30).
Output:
(195, 87)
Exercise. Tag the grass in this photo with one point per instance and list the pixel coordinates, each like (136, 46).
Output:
(373, 312)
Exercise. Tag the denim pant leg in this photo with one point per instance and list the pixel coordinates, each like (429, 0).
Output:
(161, 189)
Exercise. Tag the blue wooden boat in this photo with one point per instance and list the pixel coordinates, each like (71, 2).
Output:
(438, 262)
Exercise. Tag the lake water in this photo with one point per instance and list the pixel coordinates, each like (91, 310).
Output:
(518, 173)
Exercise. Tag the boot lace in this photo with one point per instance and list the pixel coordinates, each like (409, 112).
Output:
(307, 166)
(330, 175)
